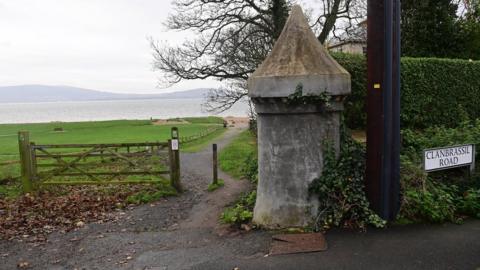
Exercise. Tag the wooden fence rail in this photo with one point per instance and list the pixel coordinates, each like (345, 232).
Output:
(109, 162)
(10, 162)
(107, 145)
(202, 134)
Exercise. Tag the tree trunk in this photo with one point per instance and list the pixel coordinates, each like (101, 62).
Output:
(330, 20)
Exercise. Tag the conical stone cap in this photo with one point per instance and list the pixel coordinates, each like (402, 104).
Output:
(298, 58)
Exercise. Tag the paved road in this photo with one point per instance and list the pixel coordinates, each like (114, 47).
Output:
(183, 233)
(409, 247)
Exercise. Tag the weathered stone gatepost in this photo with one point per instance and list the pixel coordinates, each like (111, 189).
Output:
(292, 135)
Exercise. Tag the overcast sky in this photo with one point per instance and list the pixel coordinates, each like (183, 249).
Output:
(96, 44)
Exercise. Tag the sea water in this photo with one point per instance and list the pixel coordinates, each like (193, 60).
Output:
(109, 110)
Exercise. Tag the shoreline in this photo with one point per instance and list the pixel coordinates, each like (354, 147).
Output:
(110, 111)
(229, 119)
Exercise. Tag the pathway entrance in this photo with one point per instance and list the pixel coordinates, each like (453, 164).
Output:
(182, 233)
(199, 166)
(170, 226)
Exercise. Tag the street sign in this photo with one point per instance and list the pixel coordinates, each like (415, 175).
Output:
(449, 157)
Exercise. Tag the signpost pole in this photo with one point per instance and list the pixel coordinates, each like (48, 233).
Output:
(472, 166)
(175, 160)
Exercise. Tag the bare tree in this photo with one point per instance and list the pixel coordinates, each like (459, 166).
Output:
(470, 6)
(339, 18)
(232, 37)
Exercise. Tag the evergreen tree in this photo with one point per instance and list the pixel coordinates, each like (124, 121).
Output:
(430, 28)
(470, 24)
(279, 10)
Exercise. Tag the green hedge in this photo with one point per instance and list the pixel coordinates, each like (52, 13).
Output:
(435, 92)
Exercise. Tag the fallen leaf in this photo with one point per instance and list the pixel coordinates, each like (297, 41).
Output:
(23, 265)
(80, 224)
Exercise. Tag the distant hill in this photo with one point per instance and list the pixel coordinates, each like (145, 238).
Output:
(46, 93)
(194, 93)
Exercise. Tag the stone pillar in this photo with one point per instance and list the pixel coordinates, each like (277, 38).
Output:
(292, 131)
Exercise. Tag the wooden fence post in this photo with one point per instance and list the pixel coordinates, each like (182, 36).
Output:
(33, 156)
(174, 146)
(215, 164)
(25, 160)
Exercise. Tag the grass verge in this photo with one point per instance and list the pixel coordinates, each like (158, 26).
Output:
(158, 191)
(233, 157)
(239, 159)
(213, 186)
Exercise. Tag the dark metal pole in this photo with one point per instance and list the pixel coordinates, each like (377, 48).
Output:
(383, 107)
(387, 112)
(375, 87)
(396, 140)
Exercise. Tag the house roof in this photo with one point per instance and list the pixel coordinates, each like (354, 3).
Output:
(355, 35)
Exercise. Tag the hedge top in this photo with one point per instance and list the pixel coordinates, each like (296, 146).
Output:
(434, 92)
(298, 58)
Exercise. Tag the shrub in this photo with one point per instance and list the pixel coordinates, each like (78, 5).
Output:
(425, 198)
(440, 196)
(414, 142)
(470, 203)
(436, 204)
(341, 189)
(355, 114)
(434, 91)
(242, 211)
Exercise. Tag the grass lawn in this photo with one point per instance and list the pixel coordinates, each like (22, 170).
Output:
(120, 131)
(233, 157)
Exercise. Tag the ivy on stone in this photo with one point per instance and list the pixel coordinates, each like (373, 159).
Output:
(340, 189)
(298, 98)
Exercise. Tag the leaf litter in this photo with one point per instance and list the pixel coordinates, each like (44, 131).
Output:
(34, 216)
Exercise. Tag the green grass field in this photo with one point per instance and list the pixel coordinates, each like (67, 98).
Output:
(121, 131)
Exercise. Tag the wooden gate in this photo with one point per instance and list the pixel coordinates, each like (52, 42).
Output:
(98, 164)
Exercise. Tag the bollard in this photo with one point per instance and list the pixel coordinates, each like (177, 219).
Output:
(215, 164)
